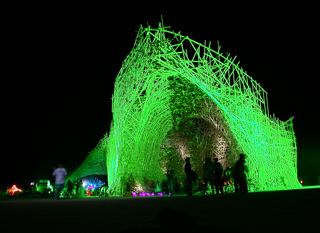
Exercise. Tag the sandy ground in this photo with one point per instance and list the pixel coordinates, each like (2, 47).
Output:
(280, 211)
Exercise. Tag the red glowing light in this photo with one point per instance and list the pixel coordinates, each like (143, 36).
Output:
(13, 190)
(301, 181)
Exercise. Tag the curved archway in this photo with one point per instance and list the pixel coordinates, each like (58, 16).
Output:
(162, 86)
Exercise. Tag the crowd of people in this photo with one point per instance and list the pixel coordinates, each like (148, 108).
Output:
(229, 180)
(70, 189)
(213, 174)
(220, 180)
(217, 177)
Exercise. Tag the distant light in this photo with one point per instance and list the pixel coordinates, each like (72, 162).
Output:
(301, 181)
(13, 190)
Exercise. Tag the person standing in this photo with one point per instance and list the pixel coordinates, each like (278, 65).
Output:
(69, 188)
(190, 176)
(79, 188)
(60, 174)
(208, 174)
(218, 170)
(240, 179)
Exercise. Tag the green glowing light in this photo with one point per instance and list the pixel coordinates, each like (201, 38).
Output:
(174, 98)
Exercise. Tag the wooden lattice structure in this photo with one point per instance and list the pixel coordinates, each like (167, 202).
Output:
(175, 97)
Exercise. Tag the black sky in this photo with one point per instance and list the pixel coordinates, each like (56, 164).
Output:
(60, 66)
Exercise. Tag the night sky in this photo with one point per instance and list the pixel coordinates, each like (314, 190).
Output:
(60, 67)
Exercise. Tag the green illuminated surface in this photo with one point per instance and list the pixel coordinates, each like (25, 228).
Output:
(95, 163)
(173, 98)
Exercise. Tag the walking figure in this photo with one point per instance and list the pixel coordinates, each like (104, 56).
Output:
(218, 170)
(60, 173)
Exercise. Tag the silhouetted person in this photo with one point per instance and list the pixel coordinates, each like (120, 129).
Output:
(60, 173)
(190, 176)
(130, 184)
(79, 187)
(208, 174)
(69, 188)
(240, 176)
(218, 170)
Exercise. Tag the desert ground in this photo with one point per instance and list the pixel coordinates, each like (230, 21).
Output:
(277, 211)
